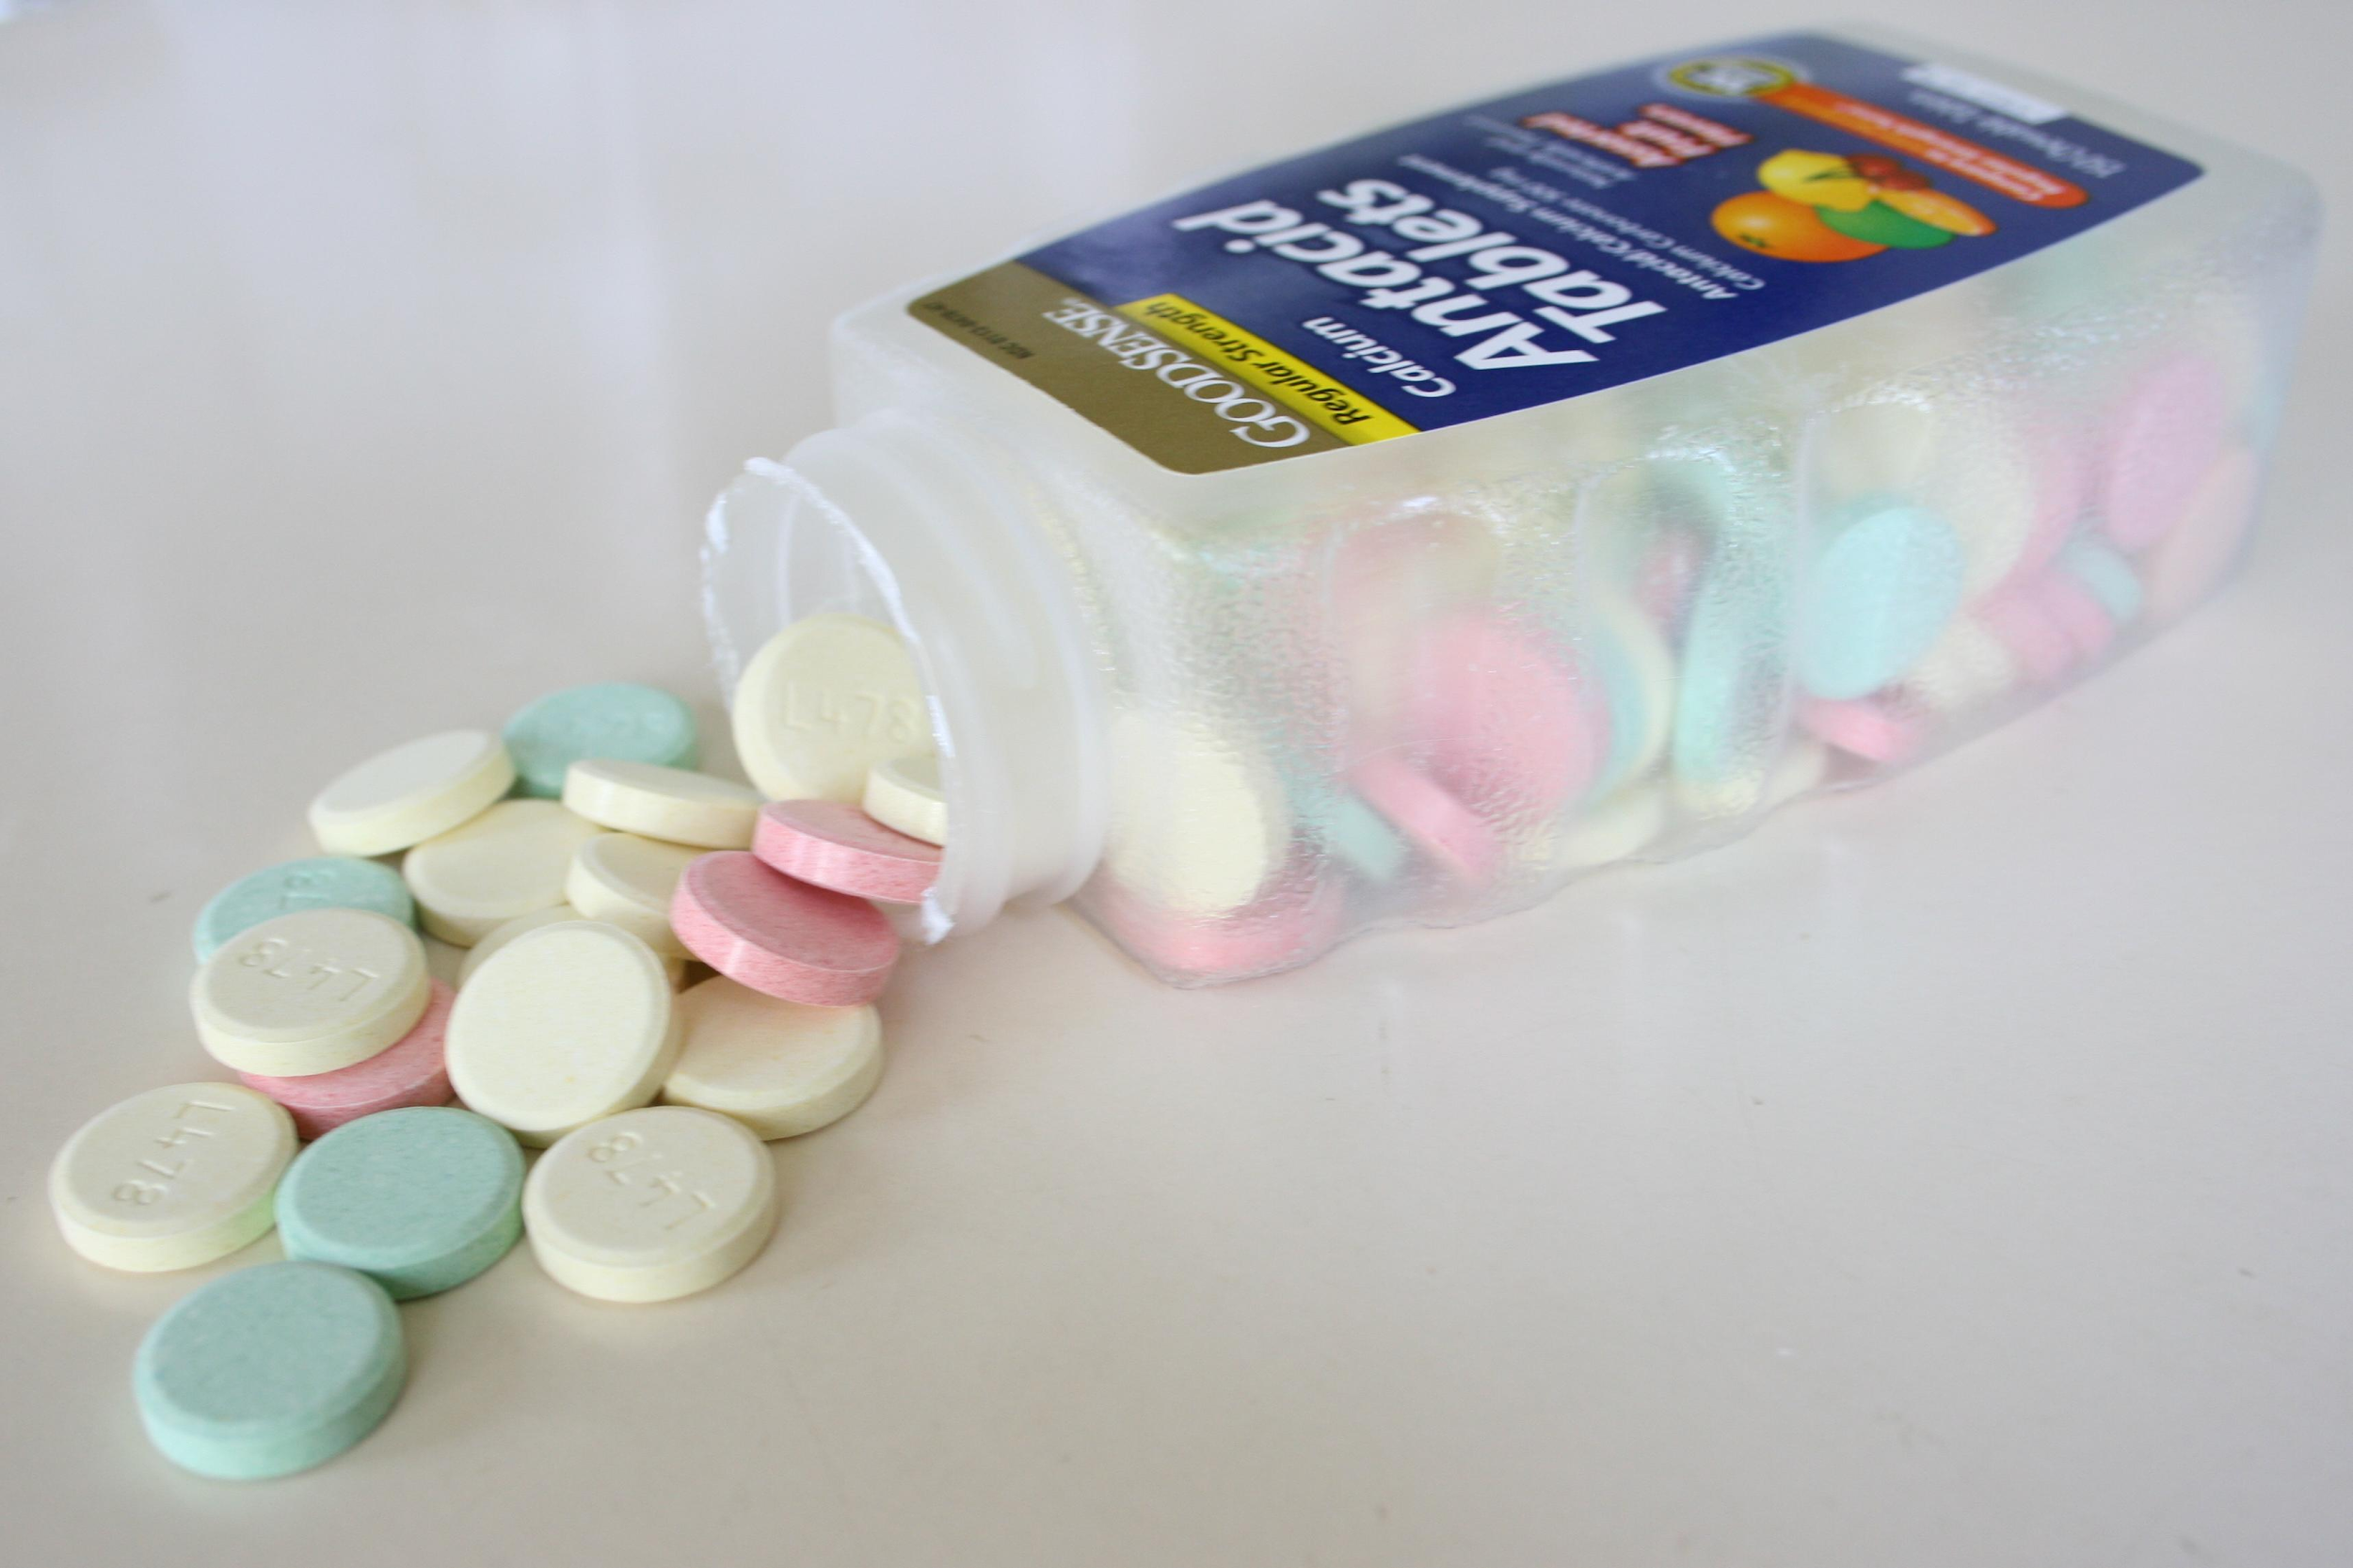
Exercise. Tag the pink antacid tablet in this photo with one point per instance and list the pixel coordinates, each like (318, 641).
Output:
(2213, 529)
(781, 937)
(2025, 625)
(1502, 716)
(1298, 918)
(409, 1071)
(1669, 577)
(834, 844)
(1430, 814)
(2163, 440)
(2083, 618)
(1870, 727)
(2062, 490)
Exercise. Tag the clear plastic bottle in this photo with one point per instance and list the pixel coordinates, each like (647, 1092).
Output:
(1243, 713)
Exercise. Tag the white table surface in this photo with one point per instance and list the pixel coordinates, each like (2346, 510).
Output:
(1956, 1173)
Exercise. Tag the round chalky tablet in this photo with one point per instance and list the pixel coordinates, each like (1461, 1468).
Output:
(1969, 669)
(409, 1071)
(780, 1068)
(2025, 625)
(1662, 584)
(651, 1205)
(408, 794)
(1297, 917)
(565, 1024)
(1362, 837)
(1427, 812)
(1729, 701)
(171, 1179)
(310, 992)
(2012, 488)
(782, 936)
(824, 700)
(904, 793)
(1873, 728)
(508, 861)
(322, 881)
(1869, 448)
(613, 720)
(1198, 822)
(501, 934)
(1616, 829)
(628, 881)
(1500, 716)
(1798, 771)
(1879, 594)
(480, 953)
(2078, 611)
(832, 844)
(2165, 437)
(669, 803)
(1637, 671)
(419, 1200)
(2212, 531)
(269, 1371)
(2109, 577)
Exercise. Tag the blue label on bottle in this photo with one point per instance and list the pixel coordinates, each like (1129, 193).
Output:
(1546, 243)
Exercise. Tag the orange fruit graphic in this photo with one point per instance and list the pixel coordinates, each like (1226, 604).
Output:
(1775, 226)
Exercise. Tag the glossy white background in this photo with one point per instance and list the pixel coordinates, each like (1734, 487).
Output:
(1952, 1174)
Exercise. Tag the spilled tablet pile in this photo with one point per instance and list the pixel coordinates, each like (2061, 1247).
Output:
(591, 873)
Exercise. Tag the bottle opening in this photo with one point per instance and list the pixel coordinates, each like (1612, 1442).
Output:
(905, 525)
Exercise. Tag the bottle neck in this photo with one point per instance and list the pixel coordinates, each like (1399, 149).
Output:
(919, 526)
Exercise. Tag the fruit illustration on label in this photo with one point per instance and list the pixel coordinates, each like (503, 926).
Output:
(1935, 207)
(1886, 173)
(1881, 224)
(1823, 207)
(1817, 179)
(1775, 226)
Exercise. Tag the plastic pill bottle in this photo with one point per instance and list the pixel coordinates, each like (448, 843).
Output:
(1396, 533)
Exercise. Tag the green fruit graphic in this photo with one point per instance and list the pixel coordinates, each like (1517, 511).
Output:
(1881, 224)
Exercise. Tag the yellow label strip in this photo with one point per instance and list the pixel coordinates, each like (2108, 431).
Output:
(1331, 406)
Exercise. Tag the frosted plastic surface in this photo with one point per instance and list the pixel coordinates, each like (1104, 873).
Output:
(1461, 670)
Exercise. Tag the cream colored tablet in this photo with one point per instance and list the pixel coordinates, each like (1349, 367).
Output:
(1868, 449)
(508, 861)
(478, 954)
(405, 795)
(652, 1206)
(827, 698)
(1987, 489)
(904, 793)
(1196, 824)
(174, 1178)
(1802, 768)
(780, 1068)
(1614, 830)
(564, 1025)
(626, 880)
(1968, 668)
(445, 961)
(310, 992)
(672, 804)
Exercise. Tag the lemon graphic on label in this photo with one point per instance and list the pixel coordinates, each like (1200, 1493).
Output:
(1817, 179)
